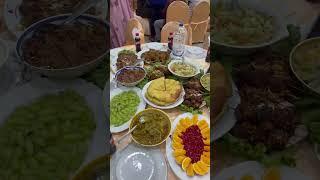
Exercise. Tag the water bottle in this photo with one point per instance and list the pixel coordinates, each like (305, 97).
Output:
(179, 39)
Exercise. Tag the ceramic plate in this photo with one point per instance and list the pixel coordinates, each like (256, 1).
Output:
(141, 106)
(135, 162)
(257, 170)
(38, 87)
(176, 168)
(171, 106)
(12, 15)
(114, 58)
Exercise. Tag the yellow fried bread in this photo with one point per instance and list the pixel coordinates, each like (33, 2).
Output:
(164, 91)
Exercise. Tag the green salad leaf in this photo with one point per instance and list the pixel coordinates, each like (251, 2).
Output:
(192, 110)
(243, 149)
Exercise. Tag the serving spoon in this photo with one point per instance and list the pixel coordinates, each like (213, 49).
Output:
(79, 10)
(141, 120)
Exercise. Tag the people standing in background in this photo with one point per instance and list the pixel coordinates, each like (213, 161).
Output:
(157, 7)
(120, 13)
(143, 10)
(158, 24)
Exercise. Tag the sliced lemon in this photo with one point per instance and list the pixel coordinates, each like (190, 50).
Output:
(179, 159)
(202, 123)
(176, 145)
(177, 139)
(207, 154)
(207, 148)
(179, 152)
(205, 159)
(197, 169)
(190, 171)
(185, 163)
(207, 141)
(203, 166)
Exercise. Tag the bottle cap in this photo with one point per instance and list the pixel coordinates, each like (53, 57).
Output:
(180, 24)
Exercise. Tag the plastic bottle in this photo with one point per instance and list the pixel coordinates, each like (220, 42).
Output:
(137, 43)
(179, 39)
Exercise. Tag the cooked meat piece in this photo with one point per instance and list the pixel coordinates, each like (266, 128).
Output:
(130, 75)
(193, 98)
(154, 56)
(126, 60)
(194, 83)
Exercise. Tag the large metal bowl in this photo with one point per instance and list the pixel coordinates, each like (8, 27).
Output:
(71, 72)
(265, 7)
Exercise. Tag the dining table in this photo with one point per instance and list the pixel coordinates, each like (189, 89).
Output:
(172, 113)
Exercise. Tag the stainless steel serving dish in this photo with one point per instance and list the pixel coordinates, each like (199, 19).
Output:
(71, 72)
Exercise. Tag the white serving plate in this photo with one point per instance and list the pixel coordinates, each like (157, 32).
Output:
(171, 106)
(137, 162)
(176, 168)
(141, 106)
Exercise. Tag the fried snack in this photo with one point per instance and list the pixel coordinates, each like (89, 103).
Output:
(164, 91)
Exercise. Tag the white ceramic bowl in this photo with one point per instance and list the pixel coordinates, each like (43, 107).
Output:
(180, 76)
(265, 7)
(130, 68)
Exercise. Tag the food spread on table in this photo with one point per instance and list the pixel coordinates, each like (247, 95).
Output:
(169, 85)
(37, 137)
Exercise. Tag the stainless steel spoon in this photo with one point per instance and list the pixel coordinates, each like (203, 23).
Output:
(141, 120)
(79, 10)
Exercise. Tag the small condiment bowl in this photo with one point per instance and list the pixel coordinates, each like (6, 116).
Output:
(180, 76)
(148, 111)
(130, 68)
(201, 79)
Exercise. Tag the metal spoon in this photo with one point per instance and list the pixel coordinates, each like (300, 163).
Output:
(141, 120)
(79, 10)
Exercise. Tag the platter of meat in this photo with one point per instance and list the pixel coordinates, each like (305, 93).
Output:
(266, 114)
(64, 50)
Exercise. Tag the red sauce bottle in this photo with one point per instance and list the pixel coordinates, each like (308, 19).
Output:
(137, 42)
(170, 41)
